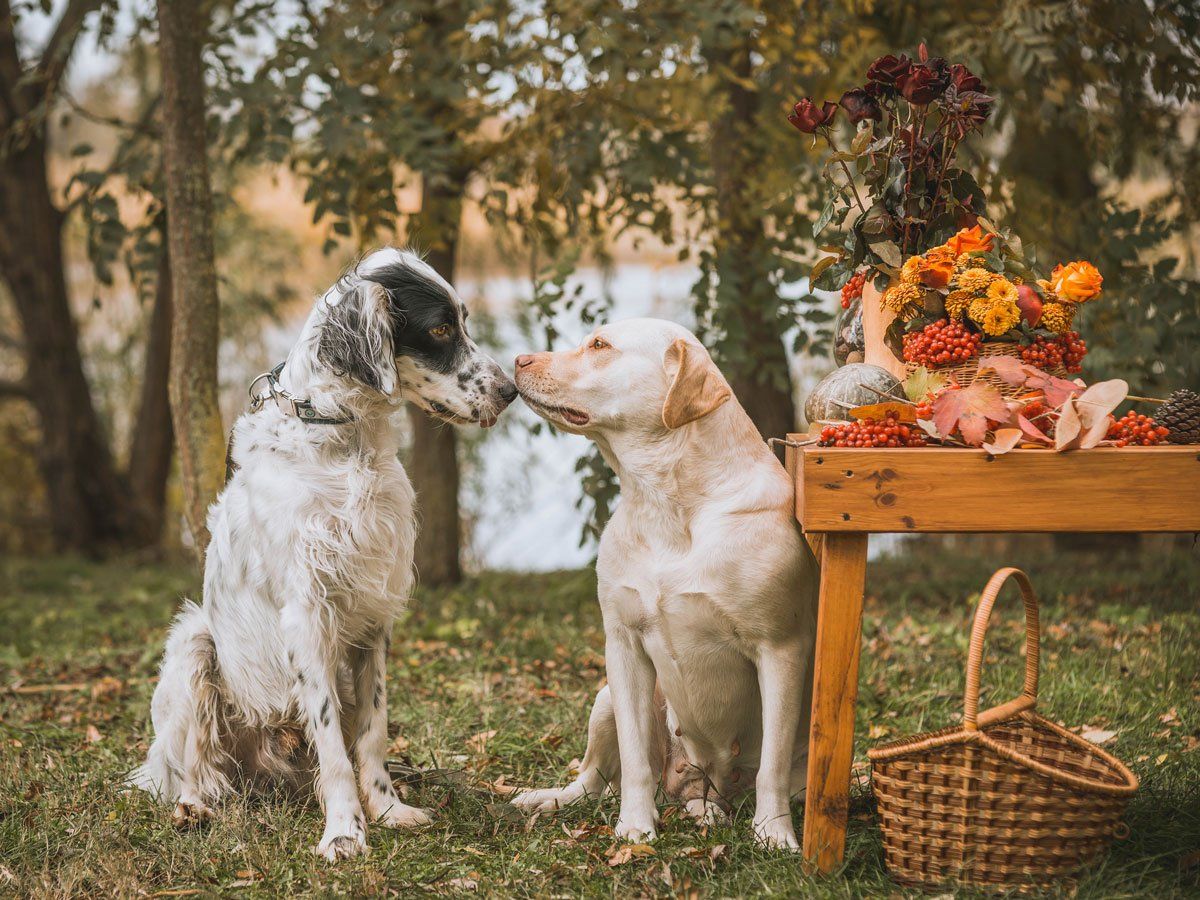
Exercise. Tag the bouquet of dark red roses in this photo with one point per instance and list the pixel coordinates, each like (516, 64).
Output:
(896, 188)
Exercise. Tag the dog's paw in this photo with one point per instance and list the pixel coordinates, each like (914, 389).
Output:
(776, 834)
(707, 812)
(546, 800)
(636, 831)
(401, 815)
(190, 814)
(343, 840)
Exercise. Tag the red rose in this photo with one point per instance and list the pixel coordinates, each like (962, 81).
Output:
(808, 117)
(925, 82)
(860, 105)
(887, 70)
(964, 79)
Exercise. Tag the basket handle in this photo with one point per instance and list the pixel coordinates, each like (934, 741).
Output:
(1028, 698)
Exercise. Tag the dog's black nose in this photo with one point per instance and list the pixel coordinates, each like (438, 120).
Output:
(508, 392)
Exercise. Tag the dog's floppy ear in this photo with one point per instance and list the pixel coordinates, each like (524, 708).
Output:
(356, 337)
(697, 387)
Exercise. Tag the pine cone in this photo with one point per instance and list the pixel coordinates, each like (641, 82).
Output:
(1181, 414)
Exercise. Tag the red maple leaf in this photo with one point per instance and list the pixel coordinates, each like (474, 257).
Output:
(968, 410)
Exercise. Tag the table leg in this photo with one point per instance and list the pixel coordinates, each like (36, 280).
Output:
(835, 690)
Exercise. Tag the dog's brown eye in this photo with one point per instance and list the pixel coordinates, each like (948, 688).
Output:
(441, 331)
(599, 344)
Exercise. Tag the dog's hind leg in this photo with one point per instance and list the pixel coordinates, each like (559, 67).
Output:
(600, 771)
(313, 655)
(368, 664)
(186, 761)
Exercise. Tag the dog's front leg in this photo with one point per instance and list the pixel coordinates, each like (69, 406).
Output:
(631, 679)
(781, 681)
(314, 660)
(369, 664)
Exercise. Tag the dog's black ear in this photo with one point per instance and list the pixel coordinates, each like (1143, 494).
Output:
(356, 337)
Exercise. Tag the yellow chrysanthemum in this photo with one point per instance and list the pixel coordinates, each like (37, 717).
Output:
(1000, 318)
(976, 281)
(978, 309)
(910, 272)
(1002, 291)
(899, 296)
(1056, 317)
(957, 303)
(967, 261)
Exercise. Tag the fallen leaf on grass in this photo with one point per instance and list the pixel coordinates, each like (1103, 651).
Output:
(628, 852)
(1098, 735)
(463, 884)
(1170, 717)
(478, 741)
(93, 734)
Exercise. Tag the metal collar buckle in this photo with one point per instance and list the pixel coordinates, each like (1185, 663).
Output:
(288, 405)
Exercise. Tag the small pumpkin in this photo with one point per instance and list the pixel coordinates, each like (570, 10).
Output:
(847, 387)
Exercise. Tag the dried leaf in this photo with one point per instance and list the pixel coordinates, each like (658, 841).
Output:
(1095, 406)
(1098, 735)
(1012, 371)
(1031, 431)
(921, 383)
(629, 851)
(478, 741)
(877, 411)
(93, 734)
(968, 410)
(1005, 439)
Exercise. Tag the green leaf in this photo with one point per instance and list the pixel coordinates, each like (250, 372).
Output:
(888, 252)
(823, 219)
(821, 266)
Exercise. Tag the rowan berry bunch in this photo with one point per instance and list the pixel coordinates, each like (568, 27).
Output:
(941, 343)
(1044, 353)
(887, 432)
(1137, 429)
(1074, 349)
(853, 288)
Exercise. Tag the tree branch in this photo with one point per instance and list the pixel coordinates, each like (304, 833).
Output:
(53, 62)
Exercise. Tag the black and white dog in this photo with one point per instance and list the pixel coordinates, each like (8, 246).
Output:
(282, 665)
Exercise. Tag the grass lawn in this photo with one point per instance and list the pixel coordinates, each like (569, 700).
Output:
(493, 682)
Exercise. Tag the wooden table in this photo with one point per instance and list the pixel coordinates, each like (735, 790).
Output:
(842, 495)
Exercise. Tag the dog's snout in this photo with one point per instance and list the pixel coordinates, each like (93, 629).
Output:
(525, 359)
(508, 391)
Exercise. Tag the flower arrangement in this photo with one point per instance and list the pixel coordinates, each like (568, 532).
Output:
(950, 281)
(911, 117)
(965, 292)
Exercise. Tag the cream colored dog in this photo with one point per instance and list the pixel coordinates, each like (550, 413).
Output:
(705, 582)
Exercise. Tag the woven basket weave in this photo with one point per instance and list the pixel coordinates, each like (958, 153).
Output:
(968, 371)
(1009, 800)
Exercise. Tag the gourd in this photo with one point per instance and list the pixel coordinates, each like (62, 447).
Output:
(847, 387)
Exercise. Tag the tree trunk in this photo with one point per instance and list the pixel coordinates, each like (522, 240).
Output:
(89, 507)
(433, 457)
(154, 435)
(193, 382)
(747, 304)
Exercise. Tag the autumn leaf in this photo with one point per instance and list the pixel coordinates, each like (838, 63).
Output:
(1083, 421)
(1098, 735)
(628, 852)
(968, 410)
(878, 411)
(478, 741)
(93, 734)
(1005, 439)
(1031, 431)
(1012, 371)
(921, 383)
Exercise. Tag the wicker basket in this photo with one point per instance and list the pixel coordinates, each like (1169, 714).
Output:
(966, 372)
(1009, 800)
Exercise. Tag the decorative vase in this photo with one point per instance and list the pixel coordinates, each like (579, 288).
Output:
(875, 320)
(848, 346)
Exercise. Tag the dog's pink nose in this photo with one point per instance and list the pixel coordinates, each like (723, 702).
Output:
(525, 359)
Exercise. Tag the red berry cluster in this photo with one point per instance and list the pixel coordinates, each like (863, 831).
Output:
(1066, 350)
(1044, 353)
(853, 288)
(1074, 349)
(1134, 428)
(941, 343)
(890, 432)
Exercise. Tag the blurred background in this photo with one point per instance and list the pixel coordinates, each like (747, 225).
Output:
(562, 164)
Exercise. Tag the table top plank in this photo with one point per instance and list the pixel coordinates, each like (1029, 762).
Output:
(1151, 489)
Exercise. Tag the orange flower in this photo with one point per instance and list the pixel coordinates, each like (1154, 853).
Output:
(1076, 282)
(936, 272)
(969, 240)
